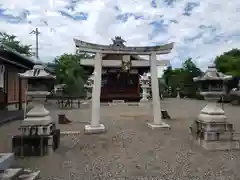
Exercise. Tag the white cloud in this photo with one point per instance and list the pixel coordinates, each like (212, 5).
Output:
(102, 24)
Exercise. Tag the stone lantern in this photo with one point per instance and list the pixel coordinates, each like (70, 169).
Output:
(211, 129)
(38, 122)
(40, 84)
(89, 85)
(235, 95)
(178, 92)
(145, 81)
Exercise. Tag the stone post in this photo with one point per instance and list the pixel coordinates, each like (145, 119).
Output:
(157, 121)
(95, 126)
(178, 93)
(144, 80)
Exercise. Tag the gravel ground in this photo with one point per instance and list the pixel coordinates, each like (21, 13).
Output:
(130, 150)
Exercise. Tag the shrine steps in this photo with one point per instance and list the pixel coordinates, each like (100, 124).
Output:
(19, 174)
(8, 172)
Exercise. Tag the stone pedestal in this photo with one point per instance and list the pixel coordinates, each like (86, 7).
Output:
(212, 131)
(212, 113)
(38, 120)
(35, 145)
(144, 99)
(178, 95)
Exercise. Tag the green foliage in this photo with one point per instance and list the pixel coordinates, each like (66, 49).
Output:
(69, 71)
(12, 42)
(229, 62)
(182, 77)
(162, 85)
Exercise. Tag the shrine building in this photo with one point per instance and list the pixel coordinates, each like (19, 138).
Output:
(120, 73)
(12, 88)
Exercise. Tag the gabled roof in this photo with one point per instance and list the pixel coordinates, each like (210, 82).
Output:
(17, 58)
(212, 74)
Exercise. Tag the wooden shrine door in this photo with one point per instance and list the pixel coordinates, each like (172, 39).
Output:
(120, 86)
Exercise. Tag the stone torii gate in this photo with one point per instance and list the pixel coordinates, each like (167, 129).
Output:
(119, 48)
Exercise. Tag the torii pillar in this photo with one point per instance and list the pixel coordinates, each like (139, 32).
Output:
(157, 117)
(95, 126)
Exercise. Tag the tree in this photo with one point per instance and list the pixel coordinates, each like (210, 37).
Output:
(69, 71)
(229, 62)
(182, 77)
(12, 42)
(190, 71)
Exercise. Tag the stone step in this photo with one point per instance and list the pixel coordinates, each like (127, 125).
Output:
(28, 174)
(10, 173)
(6, 160)
(70, 133)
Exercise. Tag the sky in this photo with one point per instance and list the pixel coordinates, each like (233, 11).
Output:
(200, 29)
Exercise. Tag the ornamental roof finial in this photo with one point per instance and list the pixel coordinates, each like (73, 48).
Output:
(118, 41)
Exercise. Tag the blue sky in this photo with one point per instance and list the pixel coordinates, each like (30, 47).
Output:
(200, 29)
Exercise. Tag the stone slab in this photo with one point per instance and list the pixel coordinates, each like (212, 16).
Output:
(10, 173)
(218, 145)
(89, 129)
(70, 132)
(159, 126)
(133, 104)
(118, 101)
(30, 175)
(6, 160)
(144, 100)
(104, 104)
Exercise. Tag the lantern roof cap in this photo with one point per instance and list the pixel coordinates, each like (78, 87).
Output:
(213, 74)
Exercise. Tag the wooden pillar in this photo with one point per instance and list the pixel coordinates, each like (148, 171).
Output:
(19, 93)
(6, 86)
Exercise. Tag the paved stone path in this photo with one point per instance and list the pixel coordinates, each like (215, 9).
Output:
(130, 150)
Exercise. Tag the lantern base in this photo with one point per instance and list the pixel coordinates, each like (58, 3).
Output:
(212, 113)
